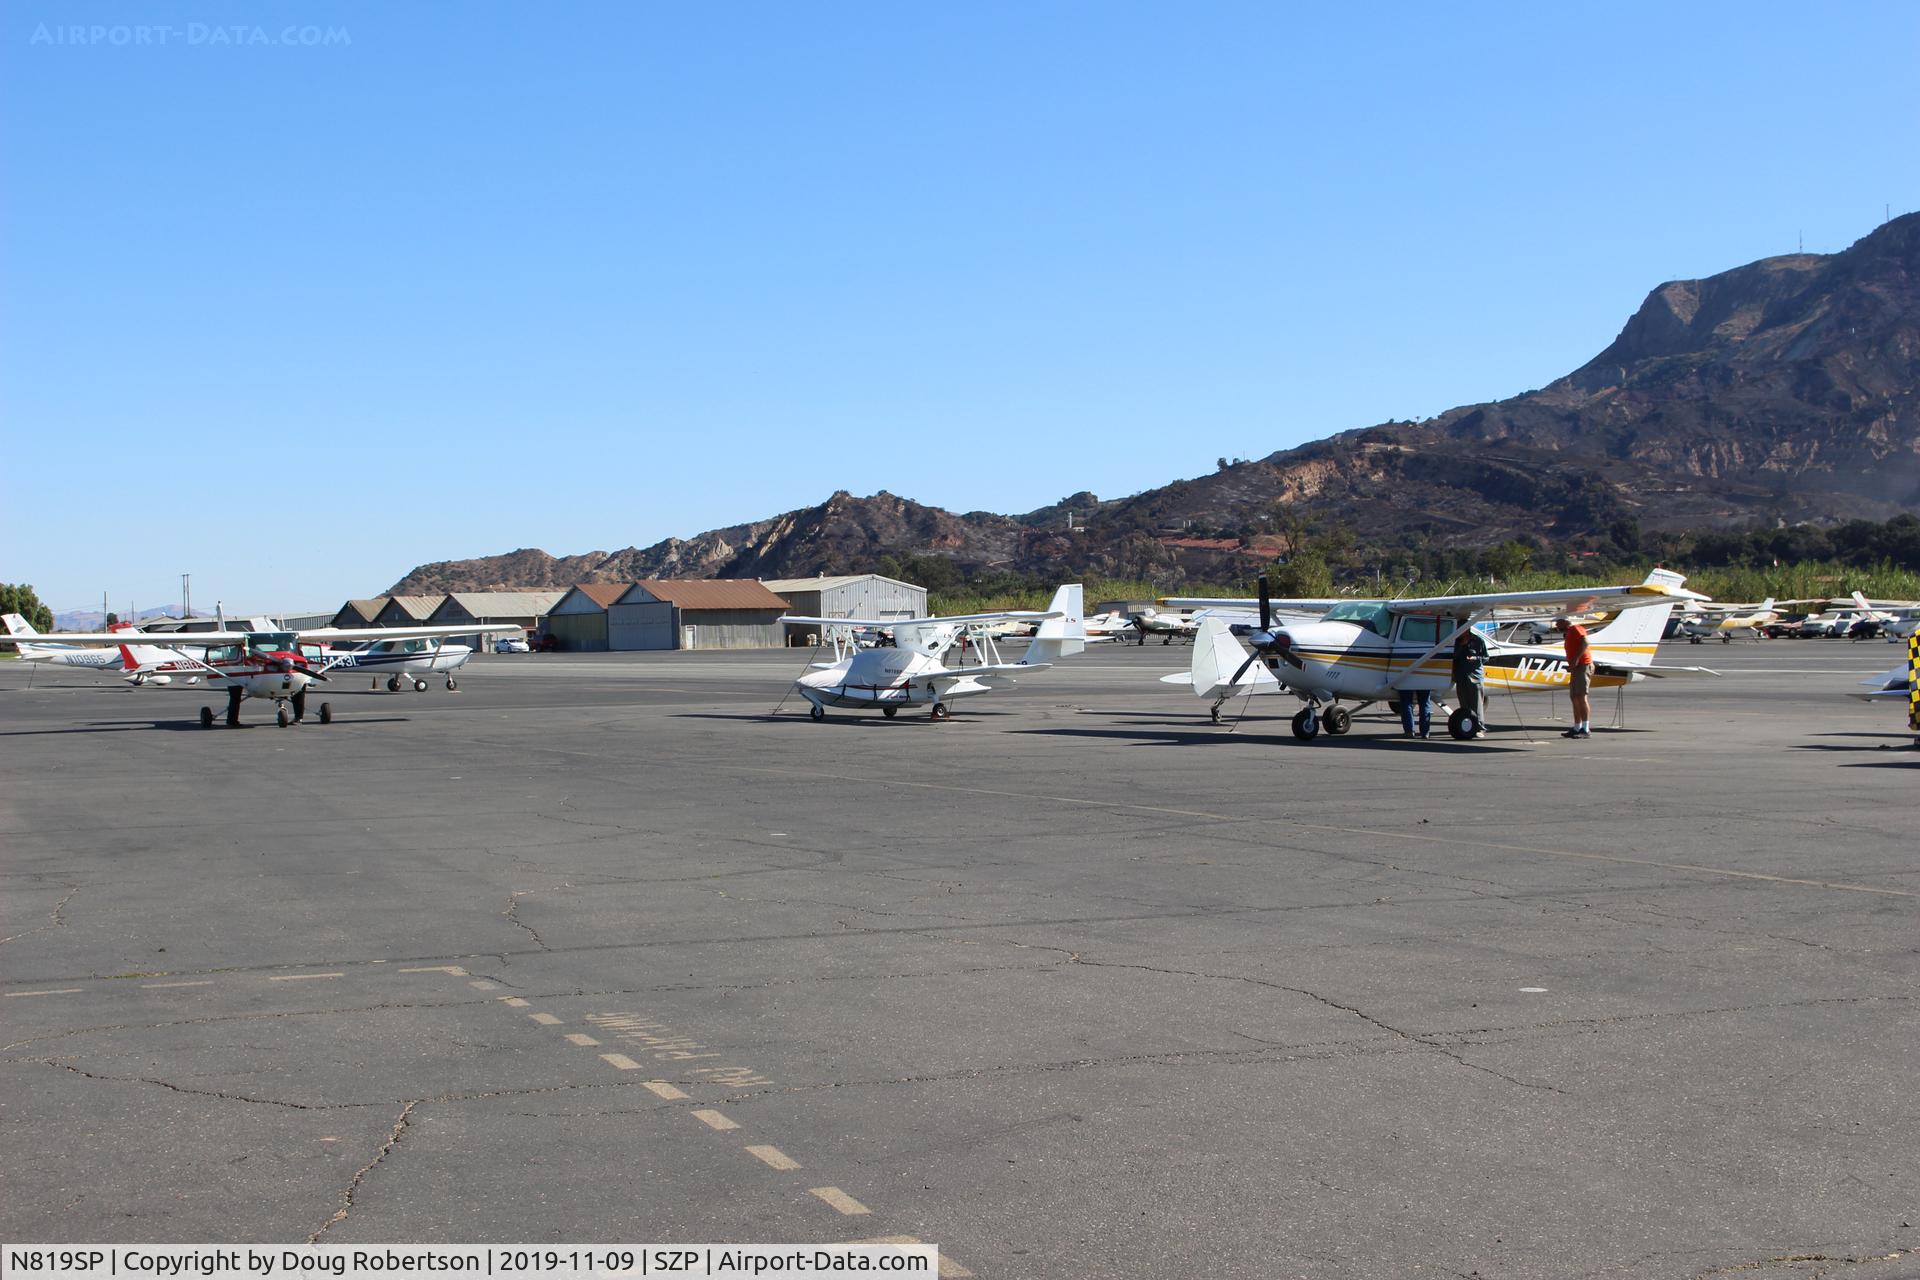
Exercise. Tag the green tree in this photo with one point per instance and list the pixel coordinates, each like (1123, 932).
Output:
(1305, 573)
(20, 598)
(1509, 560)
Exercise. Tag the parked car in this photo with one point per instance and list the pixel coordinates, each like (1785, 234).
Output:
(511, 644)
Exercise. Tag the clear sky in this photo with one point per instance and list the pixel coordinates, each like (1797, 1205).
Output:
(295, 296)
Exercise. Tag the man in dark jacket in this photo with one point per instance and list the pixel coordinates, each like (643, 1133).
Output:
(1469, 676)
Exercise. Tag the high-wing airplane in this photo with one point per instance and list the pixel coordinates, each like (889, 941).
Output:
(403, 661)
(1901, 684)
(1894, 625)
(133, 661)
(914, 671)
(1151, 622)
(276, 665)
(1722, 622)
(1366, 651)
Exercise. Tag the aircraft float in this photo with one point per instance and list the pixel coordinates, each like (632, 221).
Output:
(276, 665)
(1365, 651)
(914, 672)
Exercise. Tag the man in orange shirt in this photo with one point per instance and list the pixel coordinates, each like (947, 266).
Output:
(1580, 674)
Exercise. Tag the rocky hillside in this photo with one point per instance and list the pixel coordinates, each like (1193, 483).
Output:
(1788, 388)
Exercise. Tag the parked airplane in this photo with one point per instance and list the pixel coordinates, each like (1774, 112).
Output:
(137, 663)
(277, 665)
(403, 661)
(1896, 626)
(914, 671)
(1720, 622)
(1366, 651)
(1901, 684)
(1151, 622)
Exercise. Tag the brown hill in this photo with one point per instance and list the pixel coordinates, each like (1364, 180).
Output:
(1784, 389)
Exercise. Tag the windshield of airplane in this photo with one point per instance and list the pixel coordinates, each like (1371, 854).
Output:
(402, 646)
(223, 653)
(270, 642)
(1362, 613)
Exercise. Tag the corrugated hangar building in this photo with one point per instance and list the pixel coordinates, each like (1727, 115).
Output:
(407, 611)
(696, 613)
(360, 613)
(860, 595)
(526, 608)
(578, 623)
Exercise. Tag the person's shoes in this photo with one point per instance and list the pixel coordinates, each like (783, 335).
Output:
(1574, 733)
(1422, 734)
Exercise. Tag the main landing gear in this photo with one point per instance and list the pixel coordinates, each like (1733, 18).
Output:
(816, 712)
(1336, 720)
(940, 711)
(890, 712)
(293, 711)
(453, 686)
(419, 685)
(1463, 724)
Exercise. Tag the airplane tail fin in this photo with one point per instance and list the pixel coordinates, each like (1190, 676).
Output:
(17, 625)
(1632, 637)
(1860, 601)
(1766, 606)
(1062, 637)
(1218, 657)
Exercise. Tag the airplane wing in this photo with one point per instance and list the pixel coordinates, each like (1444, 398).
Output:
(1300, 604)
(114, 639)
(1661, 587)
(318, 635)
(321, 635)
(1005, 615)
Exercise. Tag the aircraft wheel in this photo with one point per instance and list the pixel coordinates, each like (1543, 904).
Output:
(419, 686)
(1336, 720)
(393, 684)
(1693, 639)
(206, 717)
(1463, 724)
(1306, 725)
(452, 684)
(889, 712)
(940, 711)
(281, 715)
(816, 711)
(326, 713)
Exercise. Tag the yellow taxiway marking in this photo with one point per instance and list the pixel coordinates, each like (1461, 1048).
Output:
(481, 984)
(583, 1041)
(301, 977)
(840, 1200)
(156, 986)
(513, 1002)
(948, 1267)
(63, 991)
(545, 1019)
(664, 1090)
(1410, 836)
(453, 969)
(714, 1120)
(620, 1060)
(774, 1158)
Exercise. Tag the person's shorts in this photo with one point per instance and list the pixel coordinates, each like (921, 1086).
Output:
(1581, 680)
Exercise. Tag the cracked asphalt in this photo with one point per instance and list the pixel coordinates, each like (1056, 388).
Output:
(1077, 984)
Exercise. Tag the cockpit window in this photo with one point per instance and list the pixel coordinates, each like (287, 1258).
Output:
(270, 642)
(1418, 630)
(1364, 613)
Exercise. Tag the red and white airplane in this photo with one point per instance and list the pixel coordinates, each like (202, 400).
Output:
(277, 665)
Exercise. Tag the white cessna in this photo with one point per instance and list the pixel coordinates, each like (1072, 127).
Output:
(1366, 651)
(914, 671)
(276, 665)
(1720, 622)
(133, 661)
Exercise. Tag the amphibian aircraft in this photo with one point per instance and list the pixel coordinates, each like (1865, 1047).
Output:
(1366, 651)
(277, 665)
(914, 671)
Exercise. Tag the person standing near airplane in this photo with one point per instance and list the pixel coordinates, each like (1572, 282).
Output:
(1579, 673)
(1469, 676)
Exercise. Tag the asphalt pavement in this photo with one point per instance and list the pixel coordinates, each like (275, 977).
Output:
(1076, 984)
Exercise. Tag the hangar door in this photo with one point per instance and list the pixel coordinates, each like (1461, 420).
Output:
(640, 626)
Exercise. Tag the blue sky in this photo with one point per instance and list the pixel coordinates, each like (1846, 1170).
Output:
(295, 296)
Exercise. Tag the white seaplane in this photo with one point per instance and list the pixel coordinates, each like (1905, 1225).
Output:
(277, 665)
(914, 672)
(1365, 651)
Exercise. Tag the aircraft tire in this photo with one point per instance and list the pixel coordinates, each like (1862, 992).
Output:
(1336, 720)
(281, 715)
(206, 717)
(326, 713)
(393, 684)
(889, 712)
(419, 686)
(816, 711)
(1306, 725)
(1463, 724)
(452, 685)
(940, 711)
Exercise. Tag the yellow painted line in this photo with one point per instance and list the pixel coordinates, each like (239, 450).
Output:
(545, 1019)
(714, 1120)
(302, 977)
(481, 984)
(840, 1200)
(63, 991)
(775, 1158)
(1413, 837)
(664, 1090)
(513, 1002)
(621, 1061)
(156, 986)
(582, 1041)
(453, 969)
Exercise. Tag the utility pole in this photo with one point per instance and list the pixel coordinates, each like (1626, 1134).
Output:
(186, 595)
